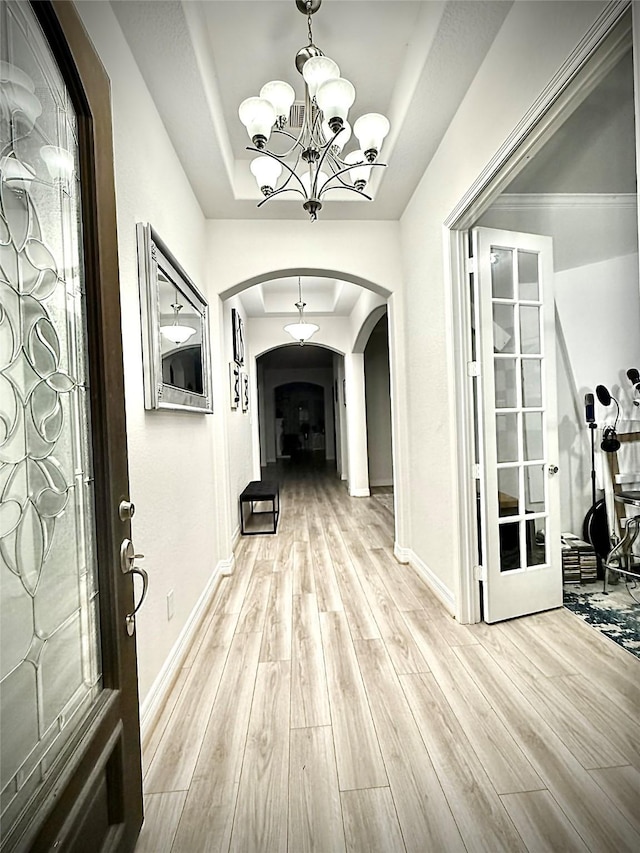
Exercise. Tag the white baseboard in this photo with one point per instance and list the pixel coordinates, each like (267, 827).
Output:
(360, 493)
(151, 707)
(385, 481)
(235, 538)
(402, 555)
(433, 581)
(226, 567)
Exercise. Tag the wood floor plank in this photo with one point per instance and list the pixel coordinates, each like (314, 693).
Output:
(309, 695)
(358, 756)
(370, 822)
(254, 608)
(622, 786)
(325, 581)
(542, 824)
(154, 736)
(392, 573)
(276, 636)
(545, 659)
(207, 817)
(175, 759)
(161, 815)
(303, 577)
(424, 815)
(401, 646)
(506, 765)
(618, 727)
(478, 811)
(355, 603)
(315, 812)
(599, 823)
(261, 818)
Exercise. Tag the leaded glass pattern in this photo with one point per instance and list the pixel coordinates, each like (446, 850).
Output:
(50, 658)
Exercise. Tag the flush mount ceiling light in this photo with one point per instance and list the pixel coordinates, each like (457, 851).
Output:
(313, 161)
(175, 332)
(301, 331)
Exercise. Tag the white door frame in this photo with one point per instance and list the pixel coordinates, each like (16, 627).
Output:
(605, 43)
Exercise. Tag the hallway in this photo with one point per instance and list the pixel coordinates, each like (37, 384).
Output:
(331, 704)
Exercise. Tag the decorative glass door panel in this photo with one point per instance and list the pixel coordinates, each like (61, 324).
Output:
(519, 492)
(50, 655)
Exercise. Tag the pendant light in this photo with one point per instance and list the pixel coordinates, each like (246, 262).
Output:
(175, 332)
(301, 331)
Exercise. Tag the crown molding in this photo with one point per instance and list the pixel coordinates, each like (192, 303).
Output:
(565, 201)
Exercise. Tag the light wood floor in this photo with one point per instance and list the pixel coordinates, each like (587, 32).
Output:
(331, 704)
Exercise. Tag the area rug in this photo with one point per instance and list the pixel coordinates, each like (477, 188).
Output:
(616, 615)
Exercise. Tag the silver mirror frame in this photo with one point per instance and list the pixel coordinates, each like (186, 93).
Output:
(157, 393)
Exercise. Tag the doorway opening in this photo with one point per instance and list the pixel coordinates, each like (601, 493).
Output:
(572, 179)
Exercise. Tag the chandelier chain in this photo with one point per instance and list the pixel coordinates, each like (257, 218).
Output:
(310, 33)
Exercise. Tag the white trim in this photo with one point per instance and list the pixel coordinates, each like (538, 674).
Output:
(442, 592)
(235, 537)
(154, 701)
(360, 493)
(386, 481)
(400, 553)
(565, 201)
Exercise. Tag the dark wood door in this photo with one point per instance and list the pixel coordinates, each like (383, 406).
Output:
(71, 769)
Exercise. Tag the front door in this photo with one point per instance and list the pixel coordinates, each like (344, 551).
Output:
(70, 746)
(517, 423)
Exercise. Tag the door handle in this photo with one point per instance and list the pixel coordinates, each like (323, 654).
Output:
(553, 469)
(127, 559)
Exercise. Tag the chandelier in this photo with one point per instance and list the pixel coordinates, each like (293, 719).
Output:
(301, 331)
(312, 160)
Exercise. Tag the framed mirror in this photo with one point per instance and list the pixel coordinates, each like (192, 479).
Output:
(175, 330)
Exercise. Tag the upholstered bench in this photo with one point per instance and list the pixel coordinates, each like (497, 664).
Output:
(256, 492)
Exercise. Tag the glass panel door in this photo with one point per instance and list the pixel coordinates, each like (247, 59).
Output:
(522, 539)
(50, 654)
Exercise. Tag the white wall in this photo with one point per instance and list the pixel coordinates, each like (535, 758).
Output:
(378, 401)
(173, 463)
(532, 45)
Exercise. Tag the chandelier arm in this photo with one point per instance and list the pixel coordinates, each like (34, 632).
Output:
(278, 192)
(297, 140)
(345, 186)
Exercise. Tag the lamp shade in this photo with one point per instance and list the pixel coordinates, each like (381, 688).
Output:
(359, 173)
(318, 69)
(335, 97)
(266, 171)
(58, 161)
(258, 116)
(306, 179)
(341, 139)
(301, 331)
(280, 94)
(370, 129)
(177, 333)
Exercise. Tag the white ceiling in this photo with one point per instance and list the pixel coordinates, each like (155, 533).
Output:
(409, 59)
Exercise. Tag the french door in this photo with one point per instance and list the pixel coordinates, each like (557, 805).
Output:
(517, 423)
(70, 746)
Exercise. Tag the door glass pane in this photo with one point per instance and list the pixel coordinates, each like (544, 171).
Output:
(530, 341)
(50, 656)
(534, 488)
(509, 546)
(505, 382)
(504, 338)
(528, 275)
(507, 437)
(532, 435)
(508, 491)
(536, 542)
(531, 382)
(501, 273)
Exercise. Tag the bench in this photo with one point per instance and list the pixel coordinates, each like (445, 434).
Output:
(256, 492)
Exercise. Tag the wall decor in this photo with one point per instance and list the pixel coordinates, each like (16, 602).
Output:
(237, 328)
(245, 392)
(234, 384)
(176, 353)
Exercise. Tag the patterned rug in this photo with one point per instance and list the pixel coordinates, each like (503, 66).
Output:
(616, 615)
